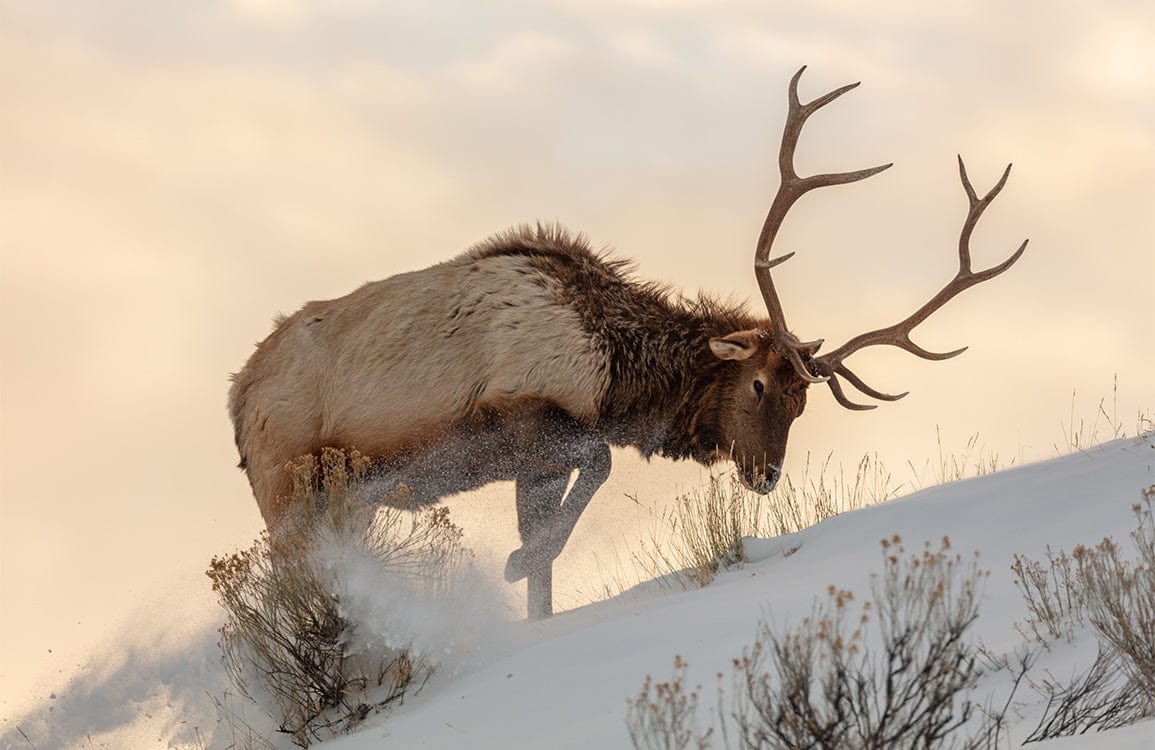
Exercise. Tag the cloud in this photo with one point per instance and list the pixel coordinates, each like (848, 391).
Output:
(769, 50)
(295, 14)
(1115, 59)
(273, 12)
(514, 63)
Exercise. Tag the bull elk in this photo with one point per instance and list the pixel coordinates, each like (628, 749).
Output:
(526, 357)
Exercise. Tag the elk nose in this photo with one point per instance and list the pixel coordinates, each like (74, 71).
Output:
(759, 482)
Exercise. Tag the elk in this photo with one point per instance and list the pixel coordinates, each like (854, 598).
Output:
(527, 356)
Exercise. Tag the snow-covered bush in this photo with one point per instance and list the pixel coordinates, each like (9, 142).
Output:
(293, 642)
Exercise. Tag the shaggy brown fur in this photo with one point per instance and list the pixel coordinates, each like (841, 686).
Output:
(519, 359)
(664, 394)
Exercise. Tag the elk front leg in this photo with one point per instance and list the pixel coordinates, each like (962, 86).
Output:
(538, 500)
(546, 522)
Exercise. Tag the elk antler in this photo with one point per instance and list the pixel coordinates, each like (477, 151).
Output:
(831, 364)
(790, 189)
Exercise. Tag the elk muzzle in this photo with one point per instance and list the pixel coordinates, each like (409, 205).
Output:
(762, 482)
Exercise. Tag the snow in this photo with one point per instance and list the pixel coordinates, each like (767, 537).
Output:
(564, 682)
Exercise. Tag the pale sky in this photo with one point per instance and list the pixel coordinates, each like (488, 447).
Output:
(173, 174)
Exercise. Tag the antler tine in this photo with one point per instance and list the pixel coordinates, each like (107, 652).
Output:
(840, 396)
(898, 335)
(858, 383)
(790, 188)
(977, 206)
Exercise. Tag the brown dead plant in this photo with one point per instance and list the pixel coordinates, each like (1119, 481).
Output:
(286, 643)
(1114, 594)
(893, 673)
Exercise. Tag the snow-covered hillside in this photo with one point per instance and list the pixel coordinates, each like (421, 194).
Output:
(564, 683)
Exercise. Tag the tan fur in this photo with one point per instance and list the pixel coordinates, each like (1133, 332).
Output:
(397, 363)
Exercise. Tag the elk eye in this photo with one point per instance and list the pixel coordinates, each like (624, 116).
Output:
(758, 388)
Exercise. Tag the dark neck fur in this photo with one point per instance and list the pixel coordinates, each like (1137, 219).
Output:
(664, 392)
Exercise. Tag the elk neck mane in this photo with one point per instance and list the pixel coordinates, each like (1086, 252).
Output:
(664, 387)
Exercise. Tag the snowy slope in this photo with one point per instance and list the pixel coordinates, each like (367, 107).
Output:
(569, 689)
(564, 683)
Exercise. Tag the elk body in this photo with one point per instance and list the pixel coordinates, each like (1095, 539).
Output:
(529, 355)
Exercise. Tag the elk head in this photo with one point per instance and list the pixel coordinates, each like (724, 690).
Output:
(773, 367)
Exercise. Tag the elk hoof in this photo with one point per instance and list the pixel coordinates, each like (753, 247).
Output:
(517, 566)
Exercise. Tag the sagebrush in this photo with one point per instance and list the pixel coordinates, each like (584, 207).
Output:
(664, 715)
(892, 673)
(289, 643)
(1100, 587)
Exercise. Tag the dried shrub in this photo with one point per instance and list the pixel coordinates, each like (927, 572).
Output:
(1116, 597)
(289, 644)
(1120, 595)
(1094, 700)
(829, 682)
(890, 674)
(664, 715)
(1053, 597)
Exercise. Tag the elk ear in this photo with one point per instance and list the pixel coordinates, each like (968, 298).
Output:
(737, 345)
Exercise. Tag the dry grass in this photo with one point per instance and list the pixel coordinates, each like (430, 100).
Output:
(702, 532)
(974, 460)
(1082, 434)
